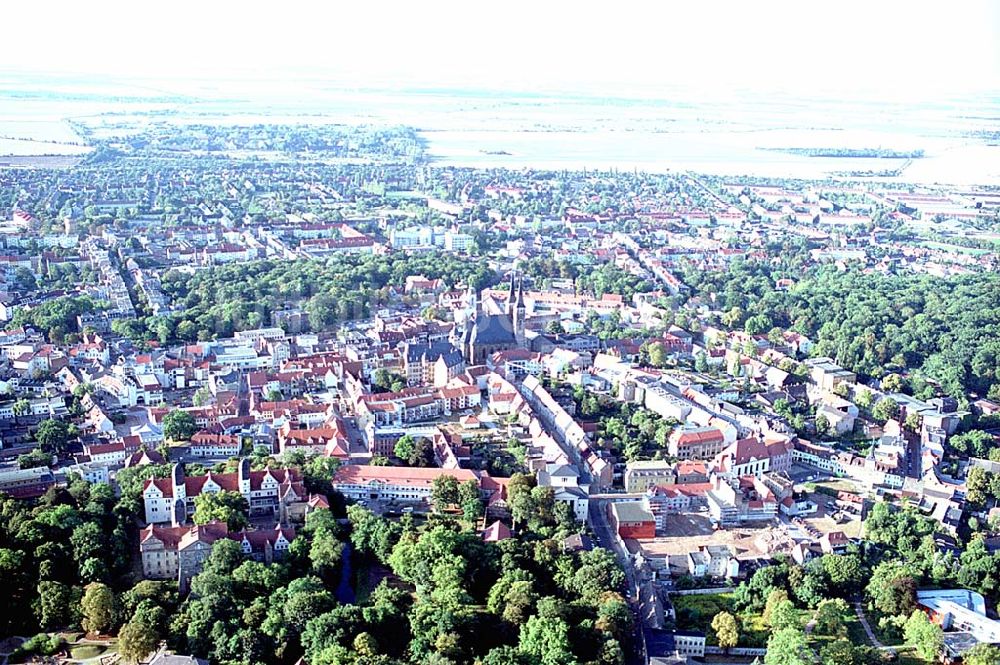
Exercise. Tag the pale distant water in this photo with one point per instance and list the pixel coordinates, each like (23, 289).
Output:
(726, 134)
(722, 153)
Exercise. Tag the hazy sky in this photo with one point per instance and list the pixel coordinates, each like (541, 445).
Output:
(890, 46)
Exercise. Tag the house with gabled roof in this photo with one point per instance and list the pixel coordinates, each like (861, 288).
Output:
(271, 492)
(179, 552)
(496, 532)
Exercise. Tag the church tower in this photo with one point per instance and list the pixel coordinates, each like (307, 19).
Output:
(177, 481)
(471, 316)
(509, 307)
(472, 303)
(519, 315)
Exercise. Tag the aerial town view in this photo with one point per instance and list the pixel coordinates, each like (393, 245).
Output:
(476, 352)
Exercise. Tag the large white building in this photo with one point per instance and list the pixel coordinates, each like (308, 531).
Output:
(745, 499)
(273, 492)
(393, 482)
(868, 470)
(962, 613)
(753, 457)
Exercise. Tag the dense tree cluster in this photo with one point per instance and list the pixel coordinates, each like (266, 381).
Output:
(609, 278)
(945, 330)
(225, 299)
(56, 317)
(450, 596)
(630, 430)
(179, 425)
(456, 599)
(344, 141)
(51, 550)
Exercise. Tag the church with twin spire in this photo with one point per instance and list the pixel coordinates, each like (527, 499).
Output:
(488, 332)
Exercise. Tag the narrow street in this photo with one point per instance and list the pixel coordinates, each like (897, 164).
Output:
(606, 539)
(639, 602)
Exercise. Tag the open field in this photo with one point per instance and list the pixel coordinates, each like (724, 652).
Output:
(696, 613)
(764, 135)
(688, 525)
(39, 161)
(85, 651)
(823, 522)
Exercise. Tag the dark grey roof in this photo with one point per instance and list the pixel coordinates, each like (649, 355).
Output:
(492, 329)
(519, 303)
(957, 643)
(163, 658)
(431, 352)
(631, 511)
(578, 542)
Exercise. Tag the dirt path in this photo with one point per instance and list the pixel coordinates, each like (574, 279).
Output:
(864, 624)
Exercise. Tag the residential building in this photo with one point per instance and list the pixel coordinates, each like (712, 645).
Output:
(393, 482)
(696, 442)
(642, 475)
(179, 552)
(741, 500)
(961, 613)
(211, 444)
(26, 483)
(691, 471)
(712, 561)
(277, 493)
(631, 519)
(431, 364)
(827, 374)
(753, 457)
(666, 500)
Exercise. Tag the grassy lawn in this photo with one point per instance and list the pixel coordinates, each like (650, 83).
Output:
(837, 485)
(885, 637)
(911, 658)
(697, 612)
(855, 633)
(71, 637)
(86, 651)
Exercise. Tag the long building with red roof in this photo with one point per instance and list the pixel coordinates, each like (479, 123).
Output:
(404, 483)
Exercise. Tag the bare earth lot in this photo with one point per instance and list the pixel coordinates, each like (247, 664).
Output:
(690, 531)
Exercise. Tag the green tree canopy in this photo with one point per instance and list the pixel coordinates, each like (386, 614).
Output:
(225, 506)
(179, 425)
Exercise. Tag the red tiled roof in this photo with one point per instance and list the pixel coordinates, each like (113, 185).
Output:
(228, 481)
(397, 475)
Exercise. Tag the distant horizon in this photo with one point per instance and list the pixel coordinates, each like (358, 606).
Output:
(334, 82)
(891, 50)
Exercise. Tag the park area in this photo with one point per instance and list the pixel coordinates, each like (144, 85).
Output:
(695, 612)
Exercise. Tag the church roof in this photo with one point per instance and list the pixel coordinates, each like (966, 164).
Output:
(492, 329)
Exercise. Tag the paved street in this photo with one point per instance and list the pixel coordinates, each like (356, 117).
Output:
(606, 539)
(641, 594)
(356, 440)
